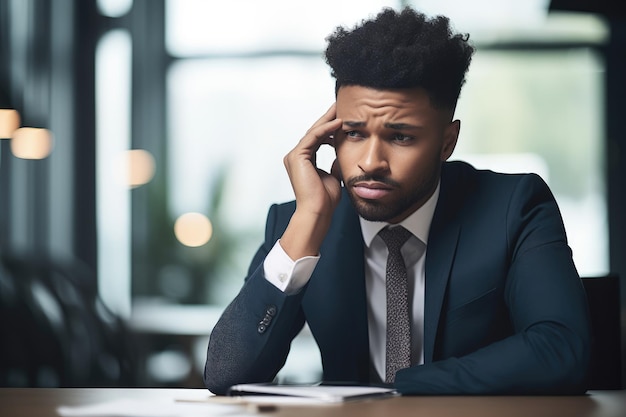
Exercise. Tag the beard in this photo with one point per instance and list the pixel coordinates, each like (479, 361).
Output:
(402, 205)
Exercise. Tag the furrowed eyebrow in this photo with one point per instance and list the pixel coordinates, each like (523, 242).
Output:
(354, 124)
(401, 126)
(394, 126)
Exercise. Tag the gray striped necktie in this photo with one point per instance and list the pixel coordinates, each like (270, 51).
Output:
(398, 319)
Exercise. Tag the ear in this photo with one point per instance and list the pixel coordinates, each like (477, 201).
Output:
(450, 137)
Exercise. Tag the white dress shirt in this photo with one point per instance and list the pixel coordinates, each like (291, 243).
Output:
(290, 277)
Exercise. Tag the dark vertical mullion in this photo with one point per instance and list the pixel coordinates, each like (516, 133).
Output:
(5, 103)
(27, 89)
(149, 132)
(86, 35)
(39, 88)
(61, 167)
(615, 85)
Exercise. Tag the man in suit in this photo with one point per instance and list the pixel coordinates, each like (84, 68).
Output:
(495, 304)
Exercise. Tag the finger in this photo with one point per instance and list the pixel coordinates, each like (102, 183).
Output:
(308, 146)
(321, 134)
(330, 139)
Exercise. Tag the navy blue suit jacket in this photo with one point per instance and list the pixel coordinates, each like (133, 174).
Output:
(505, 311)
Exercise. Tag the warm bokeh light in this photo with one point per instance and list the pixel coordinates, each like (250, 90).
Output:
(193, 229)
(134, 168)
(114, 8)
(141, 167)
(9, 122)
(31, 143)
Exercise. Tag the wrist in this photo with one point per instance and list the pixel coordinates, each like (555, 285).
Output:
(304, 234)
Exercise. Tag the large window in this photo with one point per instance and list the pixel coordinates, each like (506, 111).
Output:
(238, 103)
(542, 111)
(246, 79)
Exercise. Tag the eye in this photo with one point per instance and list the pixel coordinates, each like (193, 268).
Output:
(354, 134)
(402, 138)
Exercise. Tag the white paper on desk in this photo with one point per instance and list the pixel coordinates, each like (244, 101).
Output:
(152, 408)
(310, 393)
(278, 400)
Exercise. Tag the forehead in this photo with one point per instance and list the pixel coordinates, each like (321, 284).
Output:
(360, 102)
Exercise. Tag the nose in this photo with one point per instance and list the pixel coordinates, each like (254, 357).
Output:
(374, 157)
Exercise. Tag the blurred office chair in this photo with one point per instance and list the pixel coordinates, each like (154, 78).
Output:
(603, 296)
(54, 329)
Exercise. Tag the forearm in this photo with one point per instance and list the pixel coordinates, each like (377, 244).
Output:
(238, 350)
(545, 359)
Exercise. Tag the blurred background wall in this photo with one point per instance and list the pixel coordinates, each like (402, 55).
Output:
(141, 143)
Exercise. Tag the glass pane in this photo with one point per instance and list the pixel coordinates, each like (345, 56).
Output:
(543, 112)
(209, 27)
(231, 123)
(488, 21)
(113, 67)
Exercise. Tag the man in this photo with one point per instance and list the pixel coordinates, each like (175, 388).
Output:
(495, 304)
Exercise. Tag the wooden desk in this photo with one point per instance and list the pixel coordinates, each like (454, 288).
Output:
(41, 402)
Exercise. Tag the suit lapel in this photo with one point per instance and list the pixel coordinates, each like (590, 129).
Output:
(442, 245)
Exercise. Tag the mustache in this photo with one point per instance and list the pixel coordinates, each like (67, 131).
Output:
(368, 178)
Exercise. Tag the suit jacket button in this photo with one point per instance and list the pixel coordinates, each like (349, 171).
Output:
(271, 311)
(261, 328)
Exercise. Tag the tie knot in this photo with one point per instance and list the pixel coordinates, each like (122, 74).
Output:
(394, 237)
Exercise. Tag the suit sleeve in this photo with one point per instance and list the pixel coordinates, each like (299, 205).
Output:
(550, 349)
(251, 340)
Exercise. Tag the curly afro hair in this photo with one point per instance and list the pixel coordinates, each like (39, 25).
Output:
(402, 50)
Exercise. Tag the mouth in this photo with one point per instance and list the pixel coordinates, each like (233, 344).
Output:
(371, 190)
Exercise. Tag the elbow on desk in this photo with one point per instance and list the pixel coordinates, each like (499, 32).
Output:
(567, 363)
(229, 367)
(215, 381)
(218, 375)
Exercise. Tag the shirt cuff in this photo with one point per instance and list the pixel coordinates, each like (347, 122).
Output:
(285, 274)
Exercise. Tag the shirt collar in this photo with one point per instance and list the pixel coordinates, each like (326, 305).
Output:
(418, 223)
